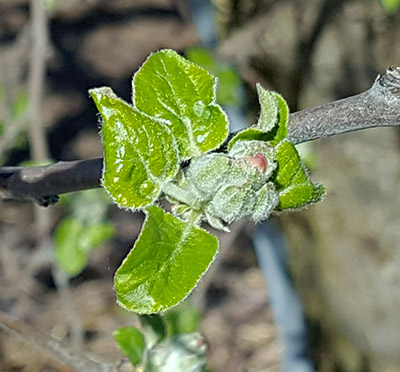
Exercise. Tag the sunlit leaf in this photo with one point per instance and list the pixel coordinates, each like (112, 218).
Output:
(269, 109)
(140, 152)
(169, 87)
(290, 169)
(272, 122)
(165, 264)
(299, 195)
(283, 117)
(291, 179)
(250, 134)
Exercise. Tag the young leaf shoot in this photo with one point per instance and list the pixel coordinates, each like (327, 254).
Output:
(174, 117)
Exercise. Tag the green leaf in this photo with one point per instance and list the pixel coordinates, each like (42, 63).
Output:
(20, 105)
(290, 169)
(300, 194)
(93, 235)
(68, 255)
(165, 264)
(169, 87)
(140, 152)
(131, 342)
(269, 109)
(272, 122)
(291, 179)
(74, 242)
(283, 118)
(250, 134)
(391, 6)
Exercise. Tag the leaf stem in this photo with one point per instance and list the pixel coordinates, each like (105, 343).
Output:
(178, 193)
(194, 218)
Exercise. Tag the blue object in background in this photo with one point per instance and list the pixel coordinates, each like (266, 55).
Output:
(203, 18)
(272, 254)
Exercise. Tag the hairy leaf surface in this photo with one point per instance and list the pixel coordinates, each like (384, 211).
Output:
(291, 179)
(169, 87)
(165, 264)
(272, 122)
(140, 152)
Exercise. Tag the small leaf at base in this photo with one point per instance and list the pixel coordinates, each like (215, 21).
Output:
(131, 342)
(299, 195)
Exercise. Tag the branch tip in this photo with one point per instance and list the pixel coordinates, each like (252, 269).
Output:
(390, 80)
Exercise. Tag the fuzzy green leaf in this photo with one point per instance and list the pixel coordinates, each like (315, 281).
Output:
(283, 118)
(169, 87)
(269, 109)
(131, 342)
(251, 134)
(272, 122)
(140, 152)
(290, 169)
(165, 264)
(300, 194)
(291, 179)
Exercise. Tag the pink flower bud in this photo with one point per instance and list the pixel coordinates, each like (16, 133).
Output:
(258, 160)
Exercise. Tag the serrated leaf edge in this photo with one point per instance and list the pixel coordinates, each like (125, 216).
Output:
(165, 123)
(315, 199)
(213, 103)
(185, 233)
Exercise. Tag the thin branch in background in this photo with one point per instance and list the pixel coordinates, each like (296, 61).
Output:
(40, 153)
(74, 322)
(37, 73)
(52, 347)
(37, 136)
